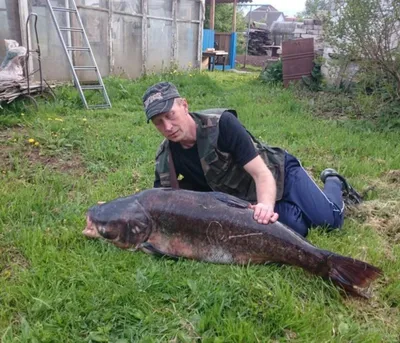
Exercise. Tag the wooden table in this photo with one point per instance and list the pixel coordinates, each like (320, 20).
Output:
(274, 50)
(212, 55)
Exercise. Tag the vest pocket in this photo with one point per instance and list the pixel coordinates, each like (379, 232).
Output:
(216, 161)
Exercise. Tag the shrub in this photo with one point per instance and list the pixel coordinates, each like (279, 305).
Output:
(272, 74)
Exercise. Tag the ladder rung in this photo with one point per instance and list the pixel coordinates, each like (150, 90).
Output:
(74, 29)
(92, 87)
(70, 7)
(84, 68)
(99, 106)
(64, 9)
(77, 48)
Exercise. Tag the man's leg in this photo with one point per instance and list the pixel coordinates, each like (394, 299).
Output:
(292, 216)
(320, 208)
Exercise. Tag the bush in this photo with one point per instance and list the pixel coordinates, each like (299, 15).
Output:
(314, 81)
(366, 32)
(272, 74)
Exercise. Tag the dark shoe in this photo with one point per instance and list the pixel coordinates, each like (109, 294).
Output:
(350, 195)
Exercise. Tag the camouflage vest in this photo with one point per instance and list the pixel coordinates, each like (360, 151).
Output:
(219, 169)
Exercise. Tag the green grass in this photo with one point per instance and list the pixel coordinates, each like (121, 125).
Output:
(57, 286)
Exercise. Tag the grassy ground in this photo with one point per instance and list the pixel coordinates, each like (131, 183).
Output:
(57, 286)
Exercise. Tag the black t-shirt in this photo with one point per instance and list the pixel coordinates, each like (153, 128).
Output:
(232, 139)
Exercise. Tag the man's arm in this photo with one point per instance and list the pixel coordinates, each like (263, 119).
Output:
(235, 140)
(266, 191)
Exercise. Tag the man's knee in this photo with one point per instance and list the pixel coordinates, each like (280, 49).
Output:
(331, 221)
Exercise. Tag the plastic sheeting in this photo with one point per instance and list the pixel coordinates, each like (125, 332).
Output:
(115, 31)
(11, 68)
(9, 28)
(54, 62)
(187, 44)
(127, 46)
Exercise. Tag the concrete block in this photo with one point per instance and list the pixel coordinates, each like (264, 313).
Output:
(304, 35)
(313, 32)
(299, 31)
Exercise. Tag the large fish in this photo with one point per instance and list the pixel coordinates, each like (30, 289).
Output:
(217, 228)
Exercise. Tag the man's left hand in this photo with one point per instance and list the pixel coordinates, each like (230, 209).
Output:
(264, 213)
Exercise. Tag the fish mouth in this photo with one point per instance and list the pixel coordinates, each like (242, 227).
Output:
(90, 230)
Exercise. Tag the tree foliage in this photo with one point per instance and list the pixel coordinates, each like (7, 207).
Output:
(224, 17)
(368, 32)
(314, 7)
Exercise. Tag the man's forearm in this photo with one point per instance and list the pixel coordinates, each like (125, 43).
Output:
(266, 188)
(266, 191)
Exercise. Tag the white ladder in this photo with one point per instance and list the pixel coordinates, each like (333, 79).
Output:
(70, 7)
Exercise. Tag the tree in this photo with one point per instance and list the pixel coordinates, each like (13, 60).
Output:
(224, 17)
(368, 31)
(314, 7)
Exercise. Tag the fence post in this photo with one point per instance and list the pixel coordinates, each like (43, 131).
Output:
(174, 31)
(201, 34)
(110, 38)
(23, 16)
(144, 36)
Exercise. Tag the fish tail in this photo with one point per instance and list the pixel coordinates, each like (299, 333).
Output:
(351, 274)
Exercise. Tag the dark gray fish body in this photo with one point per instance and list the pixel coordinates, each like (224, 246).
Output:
(217, 228)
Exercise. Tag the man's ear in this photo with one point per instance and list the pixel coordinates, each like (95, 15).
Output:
(184, 103)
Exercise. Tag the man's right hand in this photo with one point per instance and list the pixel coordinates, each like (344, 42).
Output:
(264, 213)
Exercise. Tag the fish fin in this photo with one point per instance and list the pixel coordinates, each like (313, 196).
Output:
(351, 274)
(150, 249)
(230, 200)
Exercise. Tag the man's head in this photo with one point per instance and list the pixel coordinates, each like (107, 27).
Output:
(159, 98)
(168, 111)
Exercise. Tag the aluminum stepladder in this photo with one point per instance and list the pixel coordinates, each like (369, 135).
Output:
(68, 8)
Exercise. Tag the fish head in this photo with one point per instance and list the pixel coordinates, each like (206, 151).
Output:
(124, 227)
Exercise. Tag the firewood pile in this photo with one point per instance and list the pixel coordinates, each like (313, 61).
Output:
(12, 89)
(13, 84)
(259, 42)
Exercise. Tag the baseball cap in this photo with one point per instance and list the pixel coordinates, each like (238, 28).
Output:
(159, 98)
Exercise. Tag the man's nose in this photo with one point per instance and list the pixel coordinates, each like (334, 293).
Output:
(167, 125)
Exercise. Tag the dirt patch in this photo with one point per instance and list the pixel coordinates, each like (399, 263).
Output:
(15, 147)
(393, 176)
(383, 214)
(11, 258)
(256, 61)
(72, 164)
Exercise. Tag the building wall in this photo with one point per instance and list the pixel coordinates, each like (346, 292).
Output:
(128, 37)
(8, 24)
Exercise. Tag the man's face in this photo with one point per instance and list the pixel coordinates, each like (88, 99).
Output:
(173, 125)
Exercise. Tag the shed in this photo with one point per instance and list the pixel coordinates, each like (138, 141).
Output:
(223, 40)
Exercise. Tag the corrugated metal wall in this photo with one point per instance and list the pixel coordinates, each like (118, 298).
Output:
(128, 37)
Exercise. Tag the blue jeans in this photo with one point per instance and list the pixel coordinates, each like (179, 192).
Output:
(304, 204)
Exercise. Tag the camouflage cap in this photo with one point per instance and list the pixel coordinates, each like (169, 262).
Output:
(159, 98)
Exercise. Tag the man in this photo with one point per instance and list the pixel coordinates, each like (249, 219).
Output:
(213, 151)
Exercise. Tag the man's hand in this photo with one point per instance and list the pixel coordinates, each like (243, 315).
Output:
(264, 213)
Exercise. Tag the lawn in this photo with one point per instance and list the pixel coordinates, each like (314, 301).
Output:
(58, 286)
